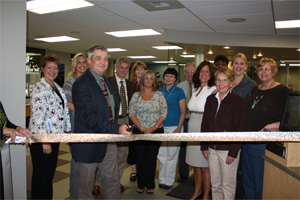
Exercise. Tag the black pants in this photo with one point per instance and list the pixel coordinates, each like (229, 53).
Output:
(131, 158)
(43, 169)
(183, 167)
(146, 161)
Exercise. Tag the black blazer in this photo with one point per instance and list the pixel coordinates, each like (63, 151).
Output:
(91, 116)
(131, 88)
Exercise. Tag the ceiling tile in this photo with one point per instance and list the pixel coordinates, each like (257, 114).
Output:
(292, 15)
(124, 8)
(286, 6)
(205, 3)
(233, 10)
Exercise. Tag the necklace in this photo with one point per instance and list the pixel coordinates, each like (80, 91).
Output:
(164, 92)
(256, 100)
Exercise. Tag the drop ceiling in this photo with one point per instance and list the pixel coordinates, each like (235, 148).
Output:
(90, 24)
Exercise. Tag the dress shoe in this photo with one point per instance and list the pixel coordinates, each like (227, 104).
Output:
(133, 178)
(167, 187)
(122, 188)
(161, 185)
(96, 190)
(182, 178)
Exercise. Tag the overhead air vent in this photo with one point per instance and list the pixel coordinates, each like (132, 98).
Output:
(159, 4)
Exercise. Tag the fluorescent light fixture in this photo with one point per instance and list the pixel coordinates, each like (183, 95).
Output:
(181, 64)
(294, 65)
(282, 65)
(164, 61)
(140, 57)
(63, 38)
(288, 24)
(50, 6)
(133, 33)
(188, 56)
(166, 47)
(290, 60)
(115, 49)
(211, 61)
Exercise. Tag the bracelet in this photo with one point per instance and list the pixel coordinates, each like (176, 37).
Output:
(156, 126)
(142, 129)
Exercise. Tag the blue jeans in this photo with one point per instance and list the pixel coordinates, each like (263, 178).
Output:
(253, 169)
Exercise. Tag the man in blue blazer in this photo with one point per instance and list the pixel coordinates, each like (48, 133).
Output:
(95, 105)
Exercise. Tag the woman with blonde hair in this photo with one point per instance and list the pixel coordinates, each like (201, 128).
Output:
(78, 67)
(147, 111)
(242, 85)
(136, 73)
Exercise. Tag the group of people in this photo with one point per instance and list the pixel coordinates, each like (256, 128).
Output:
(213, 98)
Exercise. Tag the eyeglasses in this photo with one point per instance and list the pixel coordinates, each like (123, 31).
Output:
(189, 71)
(263, 69)
(222, 81)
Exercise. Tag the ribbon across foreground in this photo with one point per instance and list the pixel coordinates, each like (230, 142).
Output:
(209, 137)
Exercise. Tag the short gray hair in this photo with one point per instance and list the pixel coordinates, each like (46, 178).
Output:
(188, 64)
(94, 47)
(121, 60)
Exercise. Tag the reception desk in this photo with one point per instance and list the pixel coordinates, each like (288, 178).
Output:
(282, 173)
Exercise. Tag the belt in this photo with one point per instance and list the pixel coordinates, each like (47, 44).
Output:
(121, 116)
(196, 112)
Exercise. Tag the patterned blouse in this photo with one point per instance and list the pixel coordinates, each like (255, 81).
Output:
(148, 112)
(48, 115)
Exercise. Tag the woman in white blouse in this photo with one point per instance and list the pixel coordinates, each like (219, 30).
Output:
(204, 86)
(49, 114)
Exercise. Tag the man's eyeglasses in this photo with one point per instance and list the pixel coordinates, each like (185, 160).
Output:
(189, 71)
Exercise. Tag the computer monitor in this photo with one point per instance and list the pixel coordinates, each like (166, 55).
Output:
(291, 115)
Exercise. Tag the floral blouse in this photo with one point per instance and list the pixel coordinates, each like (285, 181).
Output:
(148, 112)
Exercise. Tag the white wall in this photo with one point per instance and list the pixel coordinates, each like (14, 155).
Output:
(12, 80)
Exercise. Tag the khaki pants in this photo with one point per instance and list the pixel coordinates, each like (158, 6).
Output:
(222, 175)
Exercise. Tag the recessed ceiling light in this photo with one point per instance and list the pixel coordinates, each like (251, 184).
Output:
(43, 6)
(166, 47)
(164, 61)
(115, 49)
(260, 55)
(159, 4)
(288, 24)
(141, 57)
(236, 20)
(133, 33)
(211, 61)
(282, 65)
(226, 47)
(56, 39)
(188, 56)
(254, 56)
(210, 52)
(184, 53)
(298, 49)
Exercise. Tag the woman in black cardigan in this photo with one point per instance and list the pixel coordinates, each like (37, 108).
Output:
(223, 112)
(8, 129)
